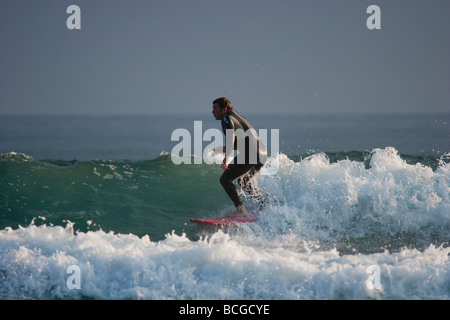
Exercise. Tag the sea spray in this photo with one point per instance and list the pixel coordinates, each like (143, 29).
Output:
(390, 204)
(326, 225)
(34, 260)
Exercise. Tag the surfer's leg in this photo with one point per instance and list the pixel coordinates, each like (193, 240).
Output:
(226, 180)
(246, 183)
(232, 173)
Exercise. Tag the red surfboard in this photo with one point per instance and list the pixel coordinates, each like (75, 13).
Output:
(225, 221)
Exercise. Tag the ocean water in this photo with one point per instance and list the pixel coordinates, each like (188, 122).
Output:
(359, 208)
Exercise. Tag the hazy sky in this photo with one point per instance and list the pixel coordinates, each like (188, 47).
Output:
(177, 56)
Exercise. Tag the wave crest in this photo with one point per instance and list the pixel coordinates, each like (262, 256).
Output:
(348, 202)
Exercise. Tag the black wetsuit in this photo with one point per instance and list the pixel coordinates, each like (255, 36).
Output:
(250, 159)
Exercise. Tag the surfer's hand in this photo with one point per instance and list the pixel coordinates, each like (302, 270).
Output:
(224, 164)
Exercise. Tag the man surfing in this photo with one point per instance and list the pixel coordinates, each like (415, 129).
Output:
(252, 154)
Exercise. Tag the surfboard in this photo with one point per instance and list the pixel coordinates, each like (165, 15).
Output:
(225, 221)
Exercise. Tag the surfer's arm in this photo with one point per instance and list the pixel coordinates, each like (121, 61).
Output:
(226, 159)
(228, 128)
(229, 145)
(221, 149)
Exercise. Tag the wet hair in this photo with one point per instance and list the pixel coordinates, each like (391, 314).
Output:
(224, 103)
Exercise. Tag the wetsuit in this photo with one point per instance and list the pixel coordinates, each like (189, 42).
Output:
(252, 154)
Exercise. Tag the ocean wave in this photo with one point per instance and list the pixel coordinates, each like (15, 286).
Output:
(368, 200)
(368, 206)
(329, 220)
(38, 262)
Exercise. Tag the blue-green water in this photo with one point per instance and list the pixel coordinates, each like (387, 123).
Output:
(103, 193)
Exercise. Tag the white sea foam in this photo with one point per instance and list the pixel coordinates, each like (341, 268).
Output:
(322, 200)
(34, 262)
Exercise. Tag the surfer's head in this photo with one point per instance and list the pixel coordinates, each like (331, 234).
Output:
(220, 107)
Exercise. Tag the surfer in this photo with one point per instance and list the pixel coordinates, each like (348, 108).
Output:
(240, 136)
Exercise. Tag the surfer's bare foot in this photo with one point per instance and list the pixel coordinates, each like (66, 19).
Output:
(240, 212)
